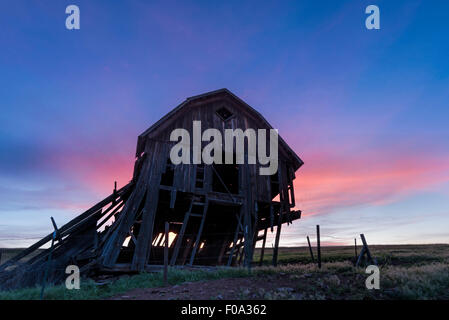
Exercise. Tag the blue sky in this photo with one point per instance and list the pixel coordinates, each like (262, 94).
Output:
(367, 110)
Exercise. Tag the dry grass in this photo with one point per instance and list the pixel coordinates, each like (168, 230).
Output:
(406, 272)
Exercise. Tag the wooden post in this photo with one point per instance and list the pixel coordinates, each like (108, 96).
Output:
(310, 249)
(318, 245)
(263, 246)
(224, 245)
(355, 249)
(58, 235)
(166, 255)
(114, 192)
(181, 235)
(55, 235)
(360, 257)
(44, 282)
(365, 250)
(236, 234)
(200, 231)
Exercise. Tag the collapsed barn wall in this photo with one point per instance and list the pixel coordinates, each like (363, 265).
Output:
(216, 213)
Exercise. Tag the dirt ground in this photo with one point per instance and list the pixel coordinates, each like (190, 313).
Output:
(281, 286)
(232, 288)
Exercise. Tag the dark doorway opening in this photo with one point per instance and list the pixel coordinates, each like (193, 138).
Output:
(225, 178)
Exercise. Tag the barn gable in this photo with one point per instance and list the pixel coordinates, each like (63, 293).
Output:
(223, 105)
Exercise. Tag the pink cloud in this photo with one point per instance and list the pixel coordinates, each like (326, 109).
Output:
(96, 172)
(329, 181)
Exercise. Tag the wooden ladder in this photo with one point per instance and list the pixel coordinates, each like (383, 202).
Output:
(238, 231)
(197, 209)
(200, 177)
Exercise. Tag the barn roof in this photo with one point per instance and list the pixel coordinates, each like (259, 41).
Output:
(189, 101)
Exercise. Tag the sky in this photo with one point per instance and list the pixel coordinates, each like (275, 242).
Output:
(366, 110)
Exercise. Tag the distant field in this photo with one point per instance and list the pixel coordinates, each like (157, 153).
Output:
(406, 272)
(385, 254)
(7, 254)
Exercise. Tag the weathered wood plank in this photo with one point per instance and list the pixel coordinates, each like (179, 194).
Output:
(200, 231)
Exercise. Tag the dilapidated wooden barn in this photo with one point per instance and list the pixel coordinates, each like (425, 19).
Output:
(216, 212)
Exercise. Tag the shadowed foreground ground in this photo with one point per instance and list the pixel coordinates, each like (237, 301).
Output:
(406, 272)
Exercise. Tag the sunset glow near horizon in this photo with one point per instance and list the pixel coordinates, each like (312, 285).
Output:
(366, 110)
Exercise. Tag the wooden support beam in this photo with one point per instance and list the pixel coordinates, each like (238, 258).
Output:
(172, 198)
(262, 250)
(63, 230)
(166, 255)
(106, 219)
(159, 242)
(247, 222)
(111, 249)
(224, 245)
(236, 234)
(145, 237)
(281, 212)
(200, 231)
(291, 187)
(255, 230)
(180, 237)
(276, 242)
(185, 254)
(240, 255)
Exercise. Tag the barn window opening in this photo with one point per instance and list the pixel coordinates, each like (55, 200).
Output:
(224, 113)
(225, 178)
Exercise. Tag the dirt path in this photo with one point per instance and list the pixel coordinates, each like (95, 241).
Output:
(231, 288)
(281, 286)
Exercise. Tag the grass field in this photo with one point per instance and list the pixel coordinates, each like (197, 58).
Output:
(406, 272)
(7, 254)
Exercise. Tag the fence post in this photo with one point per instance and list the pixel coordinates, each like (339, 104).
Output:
(318, 245)
(310, 250)
(55, 235)
(44, 282)
(368, 253)
(166, 255)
